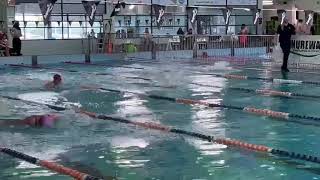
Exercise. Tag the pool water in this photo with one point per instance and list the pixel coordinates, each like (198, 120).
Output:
(110, 149)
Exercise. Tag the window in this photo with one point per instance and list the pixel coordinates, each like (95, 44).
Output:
(67, 21)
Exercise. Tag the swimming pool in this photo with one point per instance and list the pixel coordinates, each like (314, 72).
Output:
(129, 152)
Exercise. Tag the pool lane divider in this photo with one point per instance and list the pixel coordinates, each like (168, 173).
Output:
(61, 69)
(268, 92)
(275, 80)
(102, 65)
(273, 70)
(39, 67)
(55, 167)
(56, 108)
(251, 110)
(223, 141)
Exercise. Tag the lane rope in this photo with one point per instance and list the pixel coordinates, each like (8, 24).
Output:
(54, 107)
(223, 141)
(251, 110)
(102, 65)
(227, 141)
(61, 69)
(48, 165)
(268, 92)
(261, 112)
(275, 80)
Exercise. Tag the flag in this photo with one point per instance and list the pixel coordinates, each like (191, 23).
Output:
(159, 13)
(46, 7)
(226, 15)
(117, 8)
(91, 8)
(281, 15)
(192, 14)
(258, 16)
(309, 17)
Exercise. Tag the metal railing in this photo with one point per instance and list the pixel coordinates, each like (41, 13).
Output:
(194, 46)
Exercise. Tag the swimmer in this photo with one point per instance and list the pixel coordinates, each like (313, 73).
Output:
(47, 120)
(57, 81)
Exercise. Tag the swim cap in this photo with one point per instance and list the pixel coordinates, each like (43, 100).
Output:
(57, 77)
(48, 120)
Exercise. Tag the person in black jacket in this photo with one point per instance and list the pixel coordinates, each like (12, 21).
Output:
(285, 31)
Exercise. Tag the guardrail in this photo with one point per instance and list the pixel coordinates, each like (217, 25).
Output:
(202, 47)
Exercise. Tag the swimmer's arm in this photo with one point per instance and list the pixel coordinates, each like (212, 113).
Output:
(11, 122)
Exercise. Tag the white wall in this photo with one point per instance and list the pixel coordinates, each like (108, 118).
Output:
(55, 47)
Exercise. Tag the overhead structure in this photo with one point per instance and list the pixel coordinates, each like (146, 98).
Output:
(46, 7)
(90, 7)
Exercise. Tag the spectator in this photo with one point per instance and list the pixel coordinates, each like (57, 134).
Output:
(190, 39)
(189, 31)
(312, 30)
(4, 43)
(180, 32)
(300, 28)
(285, 31)
(244, 35)
(147, 39)
(16, 42)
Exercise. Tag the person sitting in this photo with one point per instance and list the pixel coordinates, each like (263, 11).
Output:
(4, 43)
(47, 120)
(57, 81)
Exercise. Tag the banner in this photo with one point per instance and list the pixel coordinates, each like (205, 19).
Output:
(192, 14)
(117, 8)
(242, 2)
(158, 2)
(257, 18)
(91, 8)
(170, 2)
(281, 15)
(159, 13)
(304, 49)
(207, 2)
(309, 17)
(226, 14)
(46, 7)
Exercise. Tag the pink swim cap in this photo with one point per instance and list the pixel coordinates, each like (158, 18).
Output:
(49, 120)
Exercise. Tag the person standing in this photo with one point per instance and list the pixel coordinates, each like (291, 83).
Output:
(285, 31)
(244, 32)
(16, 42)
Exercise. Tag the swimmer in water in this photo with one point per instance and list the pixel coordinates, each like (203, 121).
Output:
(47, 120)
(57, 81)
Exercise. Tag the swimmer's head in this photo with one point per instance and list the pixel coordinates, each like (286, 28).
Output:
(49, 120)
(57, 79)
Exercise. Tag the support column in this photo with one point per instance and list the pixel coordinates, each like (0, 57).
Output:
(3, 15)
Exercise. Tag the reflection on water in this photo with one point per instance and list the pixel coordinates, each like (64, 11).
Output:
(110, 148)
